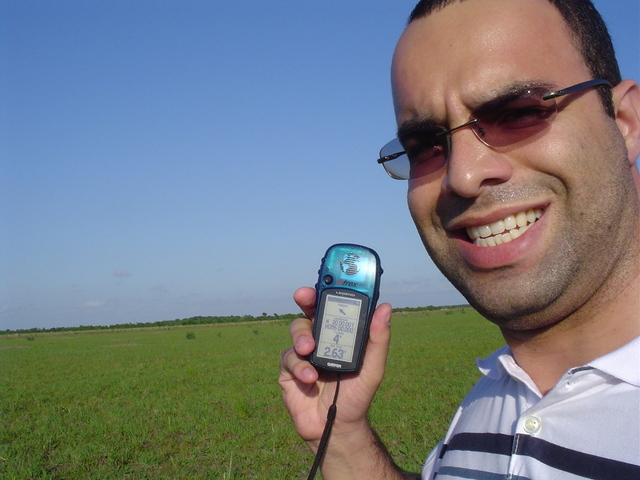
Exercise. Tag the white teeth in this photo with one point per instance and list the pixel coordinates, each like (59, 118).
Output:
(497, 227)
(506, 237)
(503, 231)
(484, 231)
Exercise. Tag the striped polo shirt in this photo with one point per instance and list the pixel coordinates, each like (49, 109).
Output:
(587, 426)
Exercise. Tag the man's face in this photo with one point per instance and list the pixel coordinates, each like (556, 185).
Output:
(574, 175)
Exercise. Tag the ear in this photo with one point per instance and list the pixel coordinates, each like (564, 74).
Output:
(626, 99)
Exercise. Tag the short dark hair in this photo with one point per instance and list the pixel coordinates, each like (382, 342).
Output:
(590, 35)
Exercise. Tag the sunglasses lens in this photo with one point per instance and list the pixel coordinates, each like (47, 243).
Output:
(394, 160)
(417, 154)
(427, 151)
(517, 120)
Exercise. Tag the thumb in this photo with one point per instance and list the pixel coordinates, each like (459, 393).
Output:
(378, 346)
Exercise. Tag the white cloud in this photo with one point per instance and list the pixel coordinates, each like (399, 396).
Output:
(93, 304)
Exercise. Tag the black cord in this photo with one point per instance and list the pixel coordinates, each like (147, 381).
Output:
(331, 415)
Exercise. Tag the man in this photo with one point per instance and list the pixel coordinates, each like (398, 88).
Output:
(526, 195)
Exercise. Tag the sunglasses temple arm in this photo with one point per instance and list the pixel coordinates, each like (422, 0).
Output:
(577, 88)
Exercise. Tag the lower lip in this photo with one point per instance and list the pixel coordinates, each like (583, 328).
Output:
(488, 258)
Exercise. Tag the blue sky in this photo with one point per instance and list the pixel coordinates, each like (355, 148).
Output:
(161, 160)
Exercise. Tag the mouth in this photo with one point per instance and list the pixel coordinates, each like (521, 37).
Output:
(505, 230)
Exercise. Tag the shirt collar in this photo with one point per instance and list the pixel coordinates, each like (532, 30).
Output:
(492, 366)
(621, 364)
(501, 363)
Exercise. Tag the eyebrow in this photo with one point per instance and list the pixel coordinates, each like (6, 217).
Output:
(490, 102)
(417, 125)
(506, 95)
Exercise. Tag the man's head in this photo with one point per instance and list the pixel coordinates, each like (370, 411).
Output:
(463, 59)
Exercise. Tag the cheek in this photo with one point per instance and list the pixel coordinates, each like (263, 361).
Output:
(422, 198)
(416, 202)
(592, 163)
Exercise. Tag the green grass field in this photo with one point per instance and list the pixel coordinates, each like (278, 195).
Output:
(203, 402)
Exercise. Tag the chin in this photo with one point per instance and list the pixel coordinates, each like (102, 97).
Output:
(515, 307)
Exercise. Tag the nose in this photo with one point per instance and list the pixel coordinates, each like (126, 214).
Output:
(473, 166)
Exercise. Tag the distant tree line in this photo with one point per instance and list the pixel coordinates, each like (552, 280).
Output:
(202, 320)
(199, 320)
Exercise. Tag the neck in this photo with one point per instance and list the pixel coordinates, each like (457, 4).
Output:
(609, 320)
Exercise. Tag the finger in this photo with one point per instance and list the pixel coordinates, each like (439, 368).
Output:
(302, 336)
(293, 367)
(379, 339)
(305, 297)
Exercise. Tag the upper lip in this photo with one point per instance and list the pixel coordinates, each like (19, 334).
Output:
(477, 220)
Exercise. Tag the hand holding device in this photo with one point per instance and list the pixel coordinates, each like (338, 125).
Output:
(307, 391)
(347, 293)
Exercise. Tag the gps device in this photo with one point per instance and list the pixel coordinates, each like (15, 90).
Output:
(347, 293)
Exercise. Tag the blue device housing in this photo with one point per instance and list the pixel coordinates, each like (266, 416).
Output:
(347, 293)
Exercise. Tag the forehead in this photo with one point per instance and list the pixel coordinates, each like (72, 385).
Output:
(455, 56)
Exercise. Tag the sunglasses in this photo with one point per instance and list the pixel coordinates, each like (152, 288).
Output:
(422, 149)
